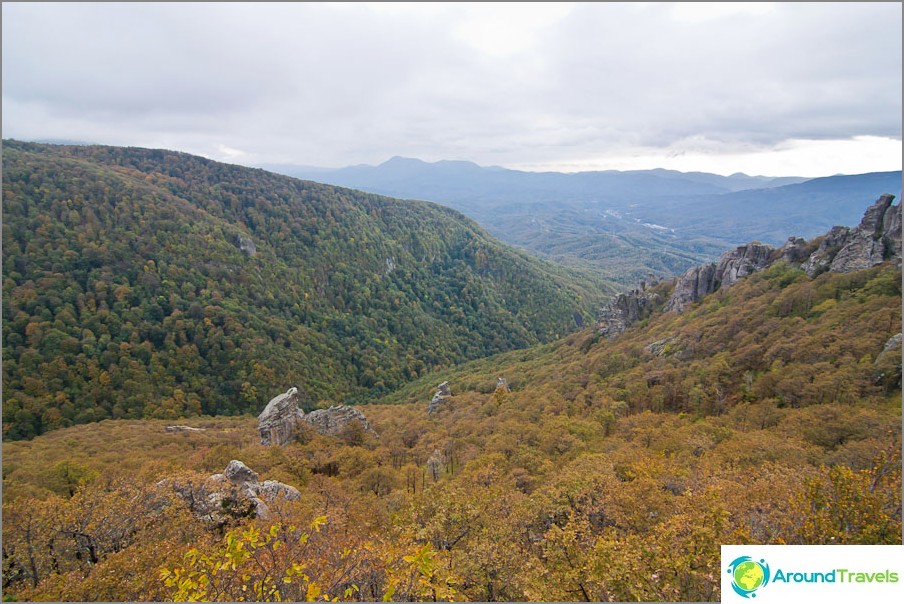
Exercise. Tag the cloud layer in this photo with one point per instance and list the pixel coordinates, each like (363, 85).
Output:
(516, 84)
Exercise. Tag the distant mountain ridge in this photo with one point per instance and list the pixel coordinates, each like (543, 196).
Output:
(623, 226)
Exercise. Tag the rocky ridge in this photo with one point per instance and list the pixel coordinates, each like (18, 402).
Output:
(625, 309)
(875, 240)
(282, 419)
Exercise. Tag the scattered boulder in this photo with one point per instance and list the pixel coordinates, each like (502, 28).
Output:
(440, 398)
(335, 420)
(278, 422)
(502, 385)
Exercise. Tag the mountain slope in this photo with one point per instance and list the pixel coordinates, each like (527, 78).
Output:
(158, 284)
(768, 412)
(623, 226)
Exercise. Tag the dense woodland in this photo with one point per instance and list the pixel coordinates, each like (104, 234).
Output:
(612, 470)
(127, 294)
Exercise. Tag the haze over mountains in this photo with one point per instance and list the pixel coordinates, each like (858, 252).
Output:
(622, 226)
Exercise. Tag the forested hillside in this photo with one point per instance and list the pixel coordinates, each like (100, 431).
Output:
(623, 226)
(769, 412)
(141, 284)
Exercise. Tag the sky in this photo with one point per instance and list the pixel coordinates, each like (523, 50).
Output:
(777, 89)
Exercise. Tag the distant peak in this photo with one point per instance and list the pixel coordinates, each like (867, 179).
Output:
(398, 160)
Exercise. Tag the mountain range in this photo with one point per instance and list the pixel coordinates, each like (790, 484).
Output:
(622, 226)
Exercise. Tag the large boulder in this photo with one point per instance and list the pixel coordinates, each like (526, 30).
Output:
(278, 422)
(336, 420)
(235, 494)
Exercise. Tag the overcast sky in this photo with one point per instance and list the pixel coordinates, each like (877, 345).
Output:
(806, 89)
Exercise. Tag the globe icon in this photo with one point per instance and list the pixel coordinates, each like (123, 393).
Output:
(748, 575)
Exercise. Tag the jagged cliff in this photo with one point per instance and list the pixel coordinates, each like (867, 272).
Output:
(875, 240)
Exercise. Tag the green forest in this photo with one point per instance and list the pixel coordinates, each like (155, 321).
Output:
(127, 294)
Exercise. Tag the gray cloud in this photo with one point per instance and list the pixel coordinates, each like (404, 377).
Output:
(341, 84)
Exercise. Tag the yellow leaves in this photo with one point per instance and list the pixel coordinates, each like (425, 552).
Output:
(313, 593)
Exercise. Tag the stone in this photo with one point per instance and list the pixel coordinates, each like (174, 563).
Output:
(869, 244)
(820, 260)
(893, 344)
(183, 429)
(502, 384)
(732, 266)
(234, 494)
(691, 287)
(626, 309)
(662, 347)
(239, 473)
(796, 250)
(335, 420)
(246, 245)
(278, 422)
(271, 489)
(440, 398)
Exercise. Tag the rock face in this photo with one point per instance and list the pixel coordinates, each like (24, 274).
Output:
(875, 240)
(702, 280)
(626, 309)
(442, 396)
(246, 245)
(842, 250)
(334, 421)
(234, 494)
(278, 422)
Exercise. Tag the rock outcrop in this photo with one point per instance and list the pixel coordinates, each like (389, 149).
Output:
(842, 250)
(626, 309)
(236, 493)
(183, 429)
(281, 419)
(502, 385)
(278, 422)
(246, 245)
(702, 280)
(440, 398)
(875, 240)
(335, 420)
